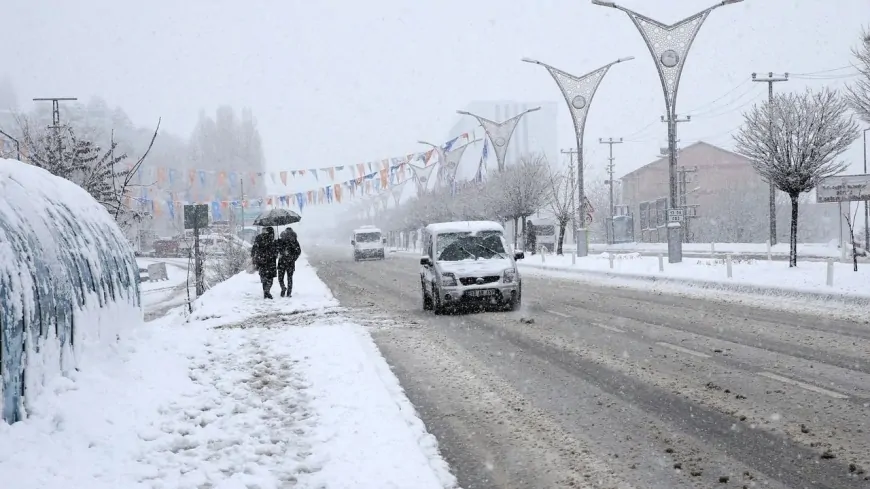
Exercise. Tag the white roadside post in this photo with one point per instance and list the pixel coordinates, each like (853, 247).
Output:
(830, 280)
(769, 254)
(611, 260)
(728, 264)
(712, 250)
(661, 263)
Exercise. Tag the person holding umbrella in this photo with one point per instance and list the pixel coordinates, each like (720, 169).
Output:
(264, 254)
(288, 252)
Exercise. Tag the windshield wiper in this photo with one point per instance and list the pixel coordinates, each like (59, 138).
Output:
(492, 251)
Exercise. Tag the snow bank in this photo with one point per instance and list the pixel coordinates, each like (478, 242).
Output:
(68, 283)
(808, 277)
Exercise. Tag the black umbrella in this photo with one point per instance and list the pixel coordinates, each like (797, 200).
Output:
(277, 217)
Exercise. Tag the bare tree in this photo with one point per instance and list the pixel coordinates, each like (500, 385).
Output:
(850, 222)
(795, 142)
(521, 189)
(562, 203)
(101, 172)
(858, 93)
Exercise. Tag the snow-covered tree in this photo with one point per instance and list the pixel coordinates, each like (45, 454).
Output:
(858, 93)
(562, 204)
(103, 173)
(521, 189)
(795, 142)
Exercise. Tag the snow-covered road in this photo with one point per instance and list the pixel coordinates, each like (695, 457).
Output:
(597, 385)
(243, 393)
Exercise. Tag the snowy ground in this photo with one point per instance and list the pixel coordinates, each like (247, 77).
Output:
(244, 393)
(158, 291)
(804, 249)
(806, 277)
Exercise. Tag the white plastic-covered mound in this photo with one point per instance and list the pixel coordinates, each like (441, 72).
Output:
(68, 282)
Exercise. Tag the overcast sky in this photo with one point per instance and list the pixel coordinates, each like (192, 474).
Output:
(341, 82)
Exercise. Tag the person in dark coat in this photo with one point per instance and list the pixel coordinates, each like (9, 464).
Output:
(531, 239)
(289, 250)
(264, 256)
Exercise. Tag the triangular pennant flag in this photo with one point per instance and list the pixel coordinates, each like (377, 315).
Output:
(284, 178)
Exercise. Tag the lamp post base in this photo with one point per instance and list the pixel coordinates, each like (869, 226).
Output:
(675, 242)
(582, 240)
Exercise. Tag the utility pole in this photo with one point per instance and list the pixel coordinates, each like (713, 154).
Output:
(610, 142)
(689, 212)
(242, 206)
(770, 80)
(55, 107)
(571, 153)
(677, 202)
(55, 118)
(866, 203)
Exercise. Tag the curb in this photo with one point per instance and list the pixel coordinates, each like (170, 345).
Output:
(718, 285)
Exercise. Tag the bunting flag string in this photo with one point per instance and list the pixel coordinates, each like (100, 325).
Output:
(160, 176)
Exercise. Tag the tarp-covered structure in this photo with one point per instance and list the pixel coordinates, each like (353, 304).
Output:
(69, 283)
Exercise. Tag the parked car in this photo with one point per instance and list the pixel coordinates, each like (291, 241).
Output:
(368, 242)
(469, 262)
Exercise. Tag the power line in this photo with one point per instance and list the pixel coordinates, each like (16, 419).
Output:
(707, 104)
(823, 71)
(715, 109)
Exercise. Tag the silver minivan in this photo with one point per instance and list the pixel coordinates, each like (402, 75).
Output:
(469, 262)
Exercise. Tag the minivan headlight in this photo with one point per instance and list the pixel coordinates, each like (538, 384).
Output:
(510, 275)
(448, 279)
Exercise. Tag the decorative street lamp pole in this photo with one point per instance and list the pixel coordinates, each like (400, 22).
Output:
(669, 45)
(578, 92)
(499, 133)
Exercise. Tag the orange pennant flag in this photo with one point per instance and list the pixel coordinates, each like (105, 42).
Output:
(331, 171)
(336, 190)
(284, 177)
(384, 178)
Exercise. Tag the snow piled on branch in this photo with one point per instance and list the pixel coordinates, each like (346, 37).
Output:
(69, 284)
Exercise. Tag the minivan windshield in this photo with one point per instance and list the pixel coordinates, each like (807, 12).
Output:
(368, 237)
(467, 247)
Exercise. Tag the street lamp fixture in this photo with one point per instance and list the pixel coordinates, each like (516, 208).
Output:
(578, 92)
(499, 133)
(669, 45)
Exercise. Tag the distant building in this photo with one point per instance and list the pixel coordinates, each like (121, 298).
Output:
(729, 200)
(536, 132)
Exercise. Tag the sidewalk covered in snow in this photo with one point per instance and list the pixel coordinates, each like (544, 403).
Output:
(242, 393)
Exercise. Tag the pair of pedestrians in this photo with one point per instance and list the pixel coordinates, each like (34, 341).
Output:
(276, 257)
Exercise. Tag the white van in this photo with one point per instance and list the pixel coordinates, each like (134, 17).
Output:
(469, 262)
(368, 242)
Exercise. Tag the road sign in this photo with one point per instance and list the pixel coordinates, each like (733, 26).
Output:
(692, 211)
(195, 216)
(588, 218)
(843, 188)
(676, 215)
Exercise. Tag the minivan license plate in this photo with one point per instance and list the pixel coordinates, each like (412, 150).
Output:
(481, 293)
